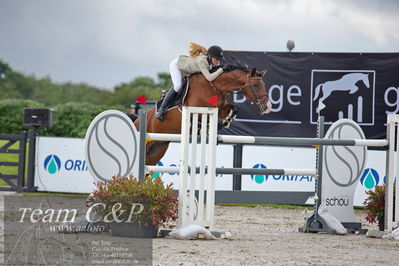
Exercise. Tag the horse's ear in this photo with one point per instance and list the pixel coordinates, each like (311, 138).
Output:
(253, 72)
(262, 73)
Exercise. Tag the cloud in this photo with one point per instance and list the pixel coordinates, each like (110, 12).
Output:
(105, 42)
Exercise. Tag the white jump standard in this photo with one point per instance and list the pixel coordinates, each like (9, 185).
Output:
(317, 224)
(197, 169)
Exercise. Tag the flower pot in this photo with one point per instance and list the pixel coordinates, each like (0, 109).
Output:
(130, 229)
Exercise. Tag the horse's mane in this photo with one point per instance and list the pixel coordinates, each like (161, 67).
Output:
(230, 67)
(238, 65)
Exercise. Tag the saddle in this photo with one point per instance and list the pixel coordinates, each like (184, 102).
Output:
(183, 92)
(179, 98)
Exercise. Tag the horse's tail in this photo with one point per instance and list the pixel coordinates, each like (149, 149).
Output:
(195, 49)
(317, 91)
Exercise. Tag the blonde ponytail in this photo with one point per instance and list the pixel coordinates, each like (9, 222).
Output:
(195, 49)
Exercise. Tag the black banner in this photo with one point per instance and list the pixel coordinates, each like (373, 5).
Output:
(360, 86)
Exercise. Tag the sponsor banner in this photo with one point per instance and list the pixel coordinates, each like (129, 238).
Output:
(224, 158)
(362, 87)
(61, 166)
(278, 158)
(374, 174)
(289, 158)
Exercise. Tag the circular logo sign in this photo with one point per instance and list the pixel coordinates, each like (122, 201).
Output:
(345, 164)
(111, 146)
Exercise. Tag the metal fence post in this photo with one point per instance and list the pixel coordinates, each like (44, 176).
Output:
(237, 163)
(319, 167)
(142, 146)
(31, 160)
(21, 160)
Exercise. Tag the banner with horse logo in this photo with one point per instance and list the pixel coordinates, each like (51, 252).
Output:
(363, 87)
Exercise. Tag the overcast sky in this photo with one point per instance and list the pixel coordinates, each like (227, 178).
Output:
(106, 42)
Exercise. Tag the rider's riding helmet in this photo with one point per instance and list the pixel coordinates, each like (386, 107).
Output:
(215, 51)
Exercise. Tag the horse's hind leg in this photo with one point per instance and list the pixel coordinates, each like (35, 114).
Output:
(155, 151)
(325, 95)
(353, 89)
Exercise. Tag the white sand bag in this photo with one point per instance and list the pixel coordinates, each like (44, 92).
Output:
(331, 221)
(393, 236)
(191, 232)
(226, 236)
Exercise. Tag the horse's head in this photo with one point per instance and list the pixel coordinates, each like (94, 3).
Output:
(255, 91)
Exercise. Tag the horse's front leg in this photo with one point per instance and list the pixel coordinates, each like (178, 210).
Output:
(155, 151)
(225, 121)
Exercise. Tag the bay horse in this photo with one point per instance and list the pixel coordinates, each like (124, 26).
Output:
(200, 90)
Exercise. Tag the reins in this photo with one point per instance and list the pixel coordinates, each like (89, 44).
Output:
(219, 92)
(257, 99)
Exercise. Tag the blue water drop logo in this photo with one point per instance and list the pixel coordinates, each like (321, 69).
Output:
(52, 164)
(259, 179)
(370, 178)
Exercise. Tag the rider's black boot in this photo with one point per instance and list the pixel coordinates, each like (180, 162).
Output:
(169, 98)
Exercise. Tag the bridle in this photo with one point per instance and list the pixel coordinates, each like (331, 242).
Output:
(258, 100)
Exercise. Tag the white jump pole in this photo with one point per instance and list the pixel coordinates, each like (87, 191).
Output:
(392, 221)
(189, 211)
(201, 196)
(193, 174)
(183, 175)
(210, 201)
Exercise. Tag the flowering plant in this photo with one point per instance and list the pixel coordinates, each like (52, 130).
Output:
(159, 203)
(375, 204)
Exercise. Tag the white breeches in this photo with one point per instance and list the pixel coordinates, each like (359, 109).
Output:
(175, 74)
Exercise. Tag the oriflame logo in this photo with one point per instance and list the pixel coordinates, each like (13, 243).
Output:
(52, 163)
(259, 178)
(370, 178)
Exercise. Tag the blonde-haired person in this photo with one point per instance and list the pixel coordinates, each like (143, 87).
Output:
(199, 60)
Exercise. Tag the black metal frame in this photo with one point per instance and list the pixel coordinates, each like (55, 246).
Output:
(237, 163)
(17, 182)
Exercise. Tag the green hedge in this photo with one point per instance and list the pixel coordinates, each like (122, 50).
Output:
(70, 119)
(12, 115)
(73, 119)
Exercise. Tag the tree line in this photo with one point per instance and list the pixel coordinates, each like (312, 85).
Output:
(16, 85)
(74, 105)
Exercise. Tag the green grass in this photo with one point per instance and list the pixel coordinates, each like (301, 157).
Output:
(360, 210)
